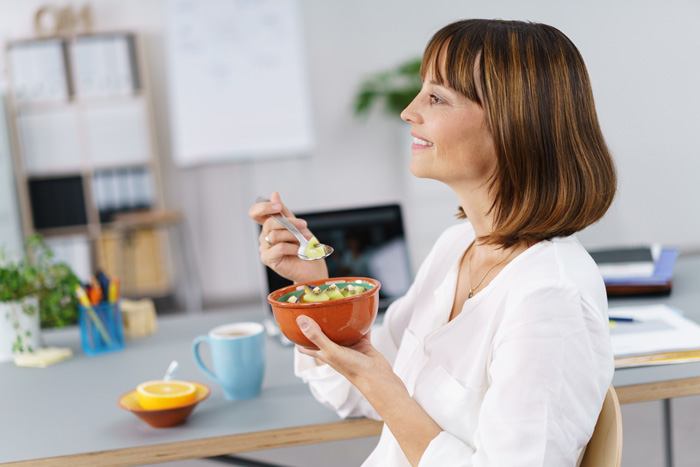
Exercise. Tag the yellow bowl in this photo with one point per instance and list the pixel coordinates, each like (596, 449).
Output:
(159, 395)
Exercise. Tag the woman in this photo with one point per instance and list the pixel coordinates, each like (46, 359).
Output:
(499, 354)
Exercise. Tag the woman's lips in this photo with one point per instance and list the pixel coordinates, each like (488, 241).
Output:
(420, 143)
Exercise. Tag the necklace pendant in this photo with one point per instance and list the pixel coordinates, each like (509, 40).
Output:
(471, 293)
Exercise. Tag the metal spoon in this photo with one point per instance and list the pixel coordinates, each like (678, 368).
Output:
(303, 242)
(171, 369)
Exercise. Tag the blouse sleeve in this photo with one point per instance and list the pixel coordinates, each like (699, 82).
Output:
(330, 387)
(546, 388)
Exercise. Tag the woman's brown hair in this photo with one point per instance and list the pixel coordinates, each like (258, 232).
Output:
(554, 174)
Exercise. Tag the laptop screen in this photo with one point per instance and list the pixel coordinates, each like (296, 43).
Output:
(368, 242)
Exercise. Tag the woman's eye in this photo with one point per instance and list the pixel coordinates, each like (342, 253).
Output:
(435, 99)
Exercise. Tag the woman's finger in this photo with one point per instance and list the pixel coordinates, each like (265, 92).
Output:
(279, 236)
(313, 332)
(259, 212)
(272, 255)
(276, 198)
(271, 224)
(310, 352)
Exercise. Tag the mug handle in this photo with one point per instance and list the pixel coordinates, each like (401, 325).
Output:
(198, 359)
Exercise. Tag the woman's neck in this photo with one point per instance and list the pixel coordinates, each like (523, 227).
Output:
(476, 203)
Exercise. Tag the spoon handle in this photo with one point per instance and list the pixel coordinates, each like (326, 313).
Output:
(292, 228)
(171, 369)
(284, 222)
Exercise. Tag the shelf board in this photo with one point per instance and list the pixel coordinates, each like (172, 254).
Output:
(144, 292)
(85, 169)
(31, 107)
(63, 231)
(120, 165)
(24, 107)
(116, 99)
(57, 173)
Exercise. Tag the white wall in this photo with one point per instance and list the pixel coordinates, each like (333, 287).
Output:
(643, 61)
(10, 236)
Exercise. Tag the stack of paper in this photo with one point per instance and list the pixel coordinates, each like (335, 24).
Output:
(41, 358)
(657, 335)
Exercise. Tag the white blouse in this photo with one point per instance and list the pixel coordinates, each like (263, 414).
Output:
(517, 378)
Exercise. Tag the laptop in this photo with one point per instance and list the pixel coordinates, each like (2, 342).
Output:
(368, 242)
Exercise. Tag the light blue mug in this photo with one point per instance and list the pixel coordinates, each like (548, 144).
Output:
(238, 355)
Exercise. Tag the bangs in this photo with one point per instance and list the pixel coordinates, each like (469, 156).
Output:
(450, 57)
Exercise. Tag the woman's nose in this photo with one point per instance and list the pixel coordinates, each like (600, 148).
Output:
(409, 115)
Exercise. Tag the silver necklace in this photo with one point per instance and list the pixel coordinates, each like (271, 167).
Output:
(472, 290)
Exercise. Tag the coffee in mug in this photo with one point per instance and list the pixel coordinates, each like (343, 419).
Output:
(233, 333)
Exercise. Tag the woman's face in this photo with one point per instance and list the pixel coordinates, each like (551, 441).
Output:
(451, 142)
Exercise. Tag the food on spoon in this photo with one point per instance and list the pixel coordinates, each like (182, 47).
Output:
(314, 249)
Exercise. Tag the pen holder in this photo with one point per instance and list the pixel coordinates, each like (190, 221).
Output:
(101, 331)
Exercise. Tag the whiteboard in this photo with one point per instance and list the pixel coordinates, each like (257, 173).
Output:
(237, 80)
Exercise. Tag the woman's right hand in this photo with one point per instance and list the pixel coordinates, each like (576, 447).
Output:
(278, 247)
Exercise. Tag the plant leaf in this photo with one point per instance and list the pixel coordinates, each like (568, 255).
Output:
(364, 101)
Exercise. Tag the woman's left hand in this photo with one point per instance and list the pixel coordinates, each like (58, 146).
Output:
(361, 364)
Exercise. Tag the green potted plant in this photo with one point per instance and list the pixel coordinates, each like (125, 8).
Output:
(58, 305)
(395, 88)
(35, 292)
(19, 316)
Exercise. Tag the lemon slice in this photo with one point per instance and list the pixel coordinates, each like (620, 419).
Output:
(158, 395)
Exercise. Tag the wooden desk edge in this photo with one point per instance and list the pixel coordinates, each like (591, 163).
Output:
(216, 446)
(297, 436)
(658, 390)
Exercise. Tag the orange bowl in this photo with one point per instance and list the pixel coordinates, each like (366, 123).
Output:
(345, 321)
(163, 418)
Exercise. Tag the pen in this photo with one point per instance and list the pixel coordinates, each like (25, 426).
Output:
(94, 293)
(85, 302)
(113, 294)
(103, 280)
(622, 319)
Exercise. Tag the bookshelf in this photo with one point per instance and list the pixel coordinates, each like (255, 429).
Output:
(84, 152)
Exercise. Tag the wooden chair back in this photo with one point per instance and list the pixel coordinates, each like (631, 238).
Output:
(605, 447)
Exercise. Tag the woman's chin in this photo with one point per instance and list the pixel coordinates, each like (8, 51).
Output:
(418, 170)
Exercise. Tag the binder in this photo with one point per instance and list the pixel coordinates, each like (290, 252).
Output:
(104, 66)
(57, 202)
(38, 71)
(659, 283)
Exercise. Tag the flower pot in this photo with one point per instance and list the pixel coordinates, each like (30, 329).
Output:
(19, 327)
